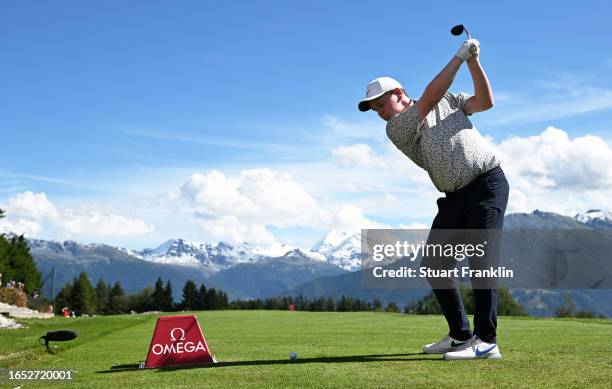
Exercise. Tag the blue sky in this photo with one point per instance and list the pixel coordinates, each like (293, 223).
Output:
(108, 108)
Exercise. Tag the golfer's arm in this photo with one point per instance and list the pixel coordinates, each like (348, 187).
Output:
(437, 88)
(483, 95)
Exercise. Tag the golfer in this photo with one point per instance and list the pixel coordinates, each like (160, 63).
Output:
(436, 134)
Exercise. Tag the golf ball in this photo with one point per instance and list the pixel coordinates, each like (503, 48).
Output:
(293, 355)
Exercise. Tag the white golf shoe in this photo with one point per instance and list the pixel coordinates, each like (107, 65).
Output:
(445, 345)
(475, 348)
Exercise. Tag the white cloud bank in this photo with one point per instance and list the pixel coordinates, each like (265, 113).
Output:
(243, 207)
(33, 213)
(554, 172)
(549, 171)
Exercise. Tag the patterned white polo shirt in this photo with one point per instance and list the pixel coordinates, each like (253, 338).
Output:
(446, 145)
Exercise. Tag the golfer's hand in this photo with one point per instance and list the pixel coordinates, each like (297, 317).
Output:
(467, 49)
(474, 47)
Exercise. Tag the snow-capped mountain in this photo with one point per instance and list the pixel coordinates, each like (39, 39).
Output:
(216, 257)
(596, 218)
(341, 249)
(189, 253)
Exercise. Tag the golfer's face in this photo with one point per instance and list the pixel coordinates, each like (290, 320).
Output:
(384, 106)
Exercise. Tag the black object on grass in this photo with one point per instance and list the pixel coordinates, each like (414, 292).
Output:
(57, 336)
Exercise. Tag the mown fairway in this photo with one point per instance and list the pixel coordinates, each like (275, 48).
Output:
(334, 349)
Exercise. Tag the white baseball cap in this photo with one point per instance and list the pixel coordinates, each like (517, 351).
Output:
(377, 88)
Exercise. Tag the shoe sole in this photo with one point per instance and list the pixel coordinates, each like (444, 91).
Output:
(496, 356)
(450, 350)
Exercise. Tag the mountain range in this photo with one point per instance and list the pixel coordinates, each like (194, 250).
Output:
(329, 268)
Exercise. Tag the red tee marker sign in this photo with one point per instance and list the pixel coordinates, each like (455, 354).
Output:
(178, 340)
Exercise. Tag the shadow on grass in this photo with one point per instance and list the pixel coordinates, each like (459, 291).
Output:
(348, 358)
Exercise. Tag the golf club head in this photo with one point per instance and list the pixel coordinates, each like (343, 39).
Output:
(460, 29)
(457, 30)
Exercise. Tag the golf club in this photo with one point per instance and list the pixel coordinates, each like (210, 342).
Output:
(460, 29)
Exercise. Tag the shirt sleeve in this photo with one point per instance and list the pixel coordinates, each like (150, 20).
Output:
(402, 129)
(462, 98)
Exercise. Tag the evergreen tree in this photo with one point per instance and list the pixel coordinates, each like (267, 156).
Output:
(16, 263)
(345, 304)
(329, 305)
(142, 301)
(190, 296)
(211, 299)
(117, 300)
(63, 298)
(200, 306)
(4, 266)
(508, 306)
(168, 300)
(392, 308)
(159, 295)
(224, 301)
(83, 295)
(102, 297)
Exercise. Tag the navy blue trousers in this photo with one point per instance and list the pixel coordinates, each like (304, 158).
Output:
(479, 205)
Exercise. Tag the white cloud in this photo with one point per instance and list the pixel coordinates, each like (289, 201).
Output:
(92, 221)
(230, 229)
(20, 226)
(350, 218)
(260, 196)
(554, 172)
(33, 213)
(241, 208)
(30, 205)
(26, 212)
(358, 155)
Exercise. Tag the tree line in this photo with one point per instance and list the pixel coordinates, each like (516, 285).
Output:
(82, 297)
(106, 299)
(428, 305)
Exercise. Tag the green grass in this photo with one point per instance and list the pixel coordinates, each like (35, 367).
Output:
(334, 350)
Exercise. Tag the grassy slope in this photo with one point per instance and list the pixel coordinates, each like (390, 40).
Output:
(334, 349)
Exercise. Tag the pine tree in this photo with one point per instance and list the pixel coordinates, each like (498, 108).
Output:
(201, 304)
(4, 266)
(102, 297)
(63, 298)
(168, 300)
(190, 296)
(508, 306)
(345, 304)
(143, 301)
(392, 308)
(159, 299)
(117, 300)
(19, 265)
(211, 299)
(83, 296)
